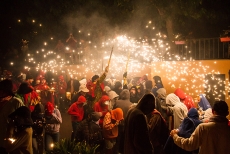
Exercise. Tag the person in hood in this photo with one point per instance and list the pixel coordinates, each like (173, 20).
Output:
(23, 89)
(118, 87)
(113, 98)
(203, 102)
(212, 137)
(205, 108)
(102, 108)
(177, 109)
(137, 139)
(134, 97)
(28, 95)
(189, 124)
(110, 128)
(77, 112)
(185, 130)
(82, 92)
(184, 98)
(19, 132)
(53, 120)
(161, 104)
(158, 131)
(157, 84)
(125, 104)
(8, 104)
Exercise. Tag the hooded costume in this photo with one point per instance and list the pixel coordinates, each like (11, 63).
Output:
(75, 111)
(212, 137)
(110, 123)
(136, 132)
(179, 109)
(134, 98)
(186, 128)
(23, 135)
(124, 102)
(184, 98)
(100, 106)
(204, 103)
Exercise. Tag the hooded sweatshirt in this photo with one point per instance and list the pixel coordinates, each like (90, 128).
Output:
(124, 102)
(161, 102)
(179, 109)
(184, 98)
(53, 119)
(110, 128)
(101, 107)
(76, 110)
(189, 124)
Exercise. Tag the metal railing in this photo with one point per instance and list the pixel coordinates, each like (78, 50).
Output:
(204, 49)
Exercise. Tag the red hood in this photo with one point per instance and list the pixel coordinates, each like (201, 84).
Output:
(103, 99)
(180, 93)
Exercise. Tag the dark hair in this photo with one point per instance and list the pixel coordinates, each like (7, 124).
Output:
(6, 88)
(24, 88)
(147, 103)
(117, 85)
(95, 77)
(157, 79)
(23, 116)
(221, 108)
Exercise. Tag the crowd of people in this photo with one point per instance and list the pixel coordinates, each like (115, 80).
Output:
(130, 117)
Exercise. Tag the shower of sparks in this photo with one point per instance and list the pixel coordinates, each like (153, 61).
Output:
(144, 53)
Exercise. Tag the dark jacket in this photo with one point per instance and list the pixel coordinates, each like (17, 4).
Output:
(158, 130)
(136, 133)
(89, 131)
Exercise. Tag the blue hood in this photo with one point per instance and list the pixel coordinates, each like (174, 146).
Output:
(204, 103)
(193, 113)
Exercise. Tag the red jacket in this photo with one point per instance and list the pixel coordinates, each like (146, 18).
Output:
(76, 112)
(92, 86)
(101, 107)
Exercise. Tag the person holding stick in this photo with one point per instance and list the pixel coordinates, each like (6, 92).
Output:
(96, 86)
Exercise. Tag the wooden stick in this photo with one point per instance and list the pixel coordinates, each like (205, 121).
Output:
(127, 63)
(110, 56)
